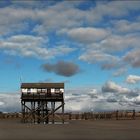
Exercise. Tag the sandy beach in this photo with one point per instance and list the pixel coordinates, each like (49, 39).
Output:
(75, 130)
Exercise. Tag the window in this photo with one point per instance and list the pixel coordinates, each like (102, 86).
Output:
(33, 90)
(52, 90)
(28, 90)
(38, 90)
(24, 90)
(57, 90)
(44, 90)
(62, 90)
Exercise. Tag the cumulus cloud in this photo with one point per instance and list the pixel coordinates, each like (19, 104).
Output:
(113, 87)
(125, 26)
(80, 100)
(93, 56)
(31, 46)
(116, 8)
(24, 45)
(62, 68)
(117, 43)
(132, 58)
(104, 52)
(11, 22)
(92, 99)
(99, 43)
(85, 99)
(111, 100)
(133, 79)
(137, 100)
(10, 102)
(76, 23)
(51, 16)
(87, 34)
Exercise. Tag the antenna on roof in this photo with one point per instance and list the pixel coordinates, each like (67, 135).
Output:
(20, 79)
(20, 76)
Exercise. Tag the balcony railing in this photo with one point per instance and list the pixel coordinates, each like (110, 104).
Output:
(55, 95)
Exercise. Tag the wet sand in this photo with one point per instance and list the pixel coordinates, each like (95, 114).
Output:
(75, 130)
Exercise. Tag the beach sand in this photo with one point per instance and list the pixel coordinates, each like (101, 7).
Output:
(75, 130)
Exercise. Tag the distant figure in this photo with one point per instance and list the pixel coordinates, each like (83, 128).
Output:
(117, 112)
(70, 116)
(133, 116)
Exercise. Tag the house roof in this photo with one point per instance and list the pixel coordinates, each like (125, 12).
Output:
(42, 85)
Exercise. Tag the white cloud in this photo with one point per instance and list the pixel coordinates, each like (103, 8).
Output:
(114, 88)
(132, 58)
(117, 43)
(84, 99)
(95, 100)
(52, 17)
(93, 56)
(31, 46)
(106, 51)
(124, 26)
(24, 45)
(13, 20)
(101, 41)
(87, 34)
(133, 79)
(137, 100)
(117, 8)
(47, 18)
(9, 102)
(30, 4)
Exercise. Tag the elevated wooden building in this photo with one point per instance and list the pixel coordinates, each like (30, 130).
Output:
(41, 101)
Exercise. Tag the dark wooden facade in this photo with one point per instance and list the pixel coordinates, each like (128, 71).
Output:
(41, 101)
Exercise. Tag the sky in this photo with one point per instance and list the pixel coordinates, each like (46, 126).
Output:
(91, 46)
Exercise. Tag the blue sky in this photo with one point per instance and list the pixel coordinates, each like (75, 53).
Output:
(92, 46)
